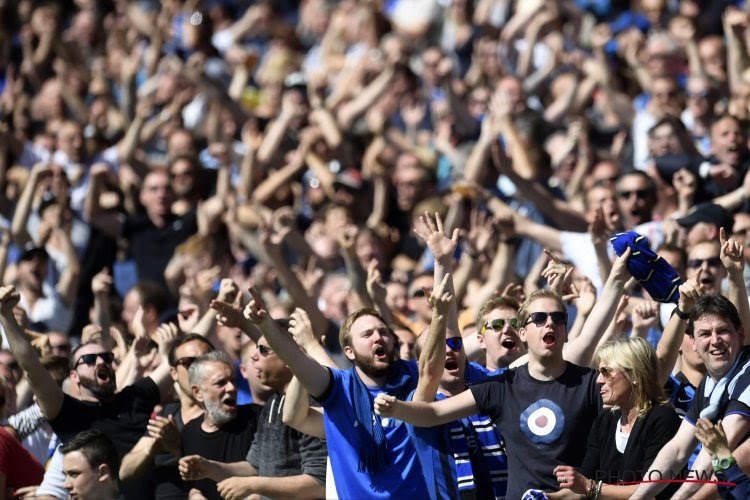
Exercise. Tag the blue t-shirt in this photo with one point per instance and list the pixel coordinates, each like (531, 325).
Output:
(401, 478)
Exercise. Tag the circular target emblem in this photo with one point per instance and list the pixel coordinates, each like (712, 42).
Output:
(542, 422)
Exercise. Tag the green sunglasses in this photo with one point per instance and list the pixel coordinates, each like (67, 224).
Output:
(497, 325)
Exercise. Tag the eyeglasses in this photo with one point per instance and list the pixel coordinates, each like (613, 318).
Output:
(711, 262)
(90, 359)
(540, 318)
(185, 362)
(639, 193)
(497, 325)
(419, 292)
(608, 373)
(454, 343)
(264, 350)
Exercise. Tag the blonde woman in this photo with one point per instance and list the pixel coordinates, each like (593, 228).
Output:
(624, 440)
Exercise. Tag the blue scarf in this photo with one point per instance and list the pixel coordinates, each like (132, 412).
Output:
(654, 273)
(373, 449)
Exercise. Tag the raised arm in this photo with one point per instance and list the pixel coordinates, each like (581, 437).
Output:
(48, 393)
(732, 257)
(423, 414)
(357, 275)
(21, 215)
(299, 415)
(312, 374)
(107, 222)
(580, 350)
(432, 359)
(668, 347)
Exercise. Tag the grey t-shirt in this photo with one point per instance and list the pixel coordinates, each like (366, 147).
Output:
(279, 451)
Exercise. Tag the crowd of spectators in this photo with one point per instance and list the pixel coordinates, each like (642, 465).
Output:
(374, 249)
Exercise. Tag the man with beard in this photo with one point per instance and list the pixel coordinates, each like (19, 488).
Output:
(214, 445)
(122, 416)
(371, 457)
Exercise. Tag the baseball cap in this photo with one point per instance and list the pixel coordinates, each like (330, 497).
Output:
(706, 212)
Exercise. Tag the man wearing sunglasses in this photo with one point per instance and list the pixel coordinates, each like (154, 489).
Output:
(122, 416)
(706, 256)
(498, 333)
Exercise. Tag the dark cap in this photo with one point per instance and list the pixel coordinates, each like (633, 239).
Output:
(30, 251)
(707, 212)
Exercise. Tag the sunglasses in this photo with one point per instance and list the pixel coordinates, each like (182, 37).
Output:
(711, 261)
(185, 362)
(639, 193)
(418, 293)
(61, 347)
(454, 343)
(90, 359)
(540, 318)
(608, 373)
(497, 325)
(264, 350)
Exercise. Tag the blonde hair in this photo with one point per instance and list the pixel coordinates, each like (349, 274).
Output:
(637, 360)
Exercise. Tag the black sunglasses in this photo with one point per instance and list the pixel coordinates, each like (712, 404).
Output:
(264, 350)
(454, 343)
(497, 325)
(540, 318)
(711, 261)
(185, 362)
(90, 359)
(639, 193)
(418, 293)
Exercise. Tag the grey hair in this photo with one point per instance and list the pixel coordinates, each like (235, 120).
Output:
(196, 372)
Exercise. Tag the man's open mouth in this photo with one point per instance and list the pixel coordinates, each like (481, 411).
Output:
(549, 339)
(451, 364)
(508, 343)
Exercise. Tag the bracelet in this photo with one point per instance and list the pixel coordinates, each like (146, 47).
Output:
(590, 487)
(681, 314)
(598, 489)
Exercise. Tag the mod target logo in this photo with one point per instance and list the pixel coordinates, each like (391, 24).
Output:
(542, 422)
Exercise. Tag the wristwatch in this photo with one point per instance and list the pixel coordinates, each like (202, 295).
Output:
(722, 464)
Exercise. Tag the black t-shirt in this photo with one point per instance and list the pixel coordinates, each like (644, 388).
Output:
(544, 423)
(734, 398)
(229, 444)
(123, 420)
(164, 475)
(152, 247)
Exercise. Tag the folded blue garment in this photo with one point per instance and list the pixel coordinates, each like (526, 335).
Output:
(654, 273)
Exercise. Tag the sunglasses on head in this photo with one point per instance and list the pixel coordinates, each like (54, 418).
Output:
(185, 362)
(454, 343)
(711, 261)
(90, 359)
(264, 350)
(497, 325)
(639, 193)
(540, 318)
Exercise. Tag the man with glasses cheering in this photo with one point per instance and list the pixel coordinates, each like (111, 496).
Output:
(121, 416)
(542, 408)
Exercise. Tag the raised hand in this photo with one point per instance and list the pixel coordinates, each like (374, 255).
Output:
(732, 253)
(619, 270)
(440, 299)
(515, 291)
(685, 183)
(556, 273)
(586, 296)
(481, 232)
(374, 283)
(348, 238)
(9, 297)
(165, 337)
(101, 283)
(255, 310)
(228, 290)
(432, 233)
(301, 328)
(690, 291)
(602, 226)
(645, 315)
(229, 314)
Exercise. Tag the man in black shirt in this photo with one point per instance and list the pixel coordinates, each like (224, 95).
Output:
(214, 445)
(121, 416)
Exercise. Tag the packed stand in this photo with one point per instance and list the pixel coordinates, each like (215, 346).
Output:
(397, 249)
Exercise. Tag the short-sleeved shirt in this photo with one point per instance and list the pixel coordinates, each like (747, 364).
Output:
(123, 420)
(152, 247)
(401, 477)
(543, 423)
(19, 468)
(280, 451)
(228, 444)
